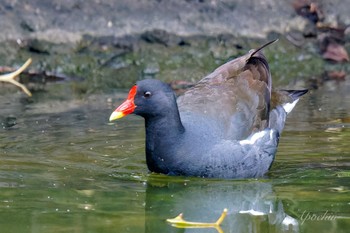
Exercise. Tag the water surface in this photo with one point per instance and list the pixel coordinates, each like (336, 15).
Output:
(64, 168)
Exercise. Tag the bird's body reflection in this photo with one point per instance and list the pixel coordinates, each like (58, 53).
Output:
(252, 205)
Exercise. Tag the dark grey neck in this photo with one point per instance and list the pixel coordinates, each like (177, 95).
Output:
(162, 133)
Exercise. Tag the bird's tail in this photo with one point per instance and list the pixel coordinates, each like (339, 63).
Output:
(282, 103)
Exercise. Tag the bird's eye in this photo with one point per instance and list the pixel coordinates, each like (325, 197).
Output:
(147, 94)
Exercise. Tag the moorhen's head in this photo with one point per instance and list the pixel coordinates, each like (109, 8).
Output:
(148, 98)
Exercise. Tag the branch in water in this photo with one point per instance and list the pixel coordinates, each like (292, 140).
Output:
(180, 222)
(10, 77)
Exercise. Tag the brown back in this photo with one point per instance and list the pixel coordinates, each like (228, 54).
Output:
(236, 95)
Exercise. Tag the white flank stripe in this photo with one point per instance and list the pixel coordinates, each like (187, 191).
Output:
(253, 138)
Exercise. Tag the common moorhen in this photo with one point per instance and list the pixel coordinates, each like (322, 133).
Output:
(226, 126)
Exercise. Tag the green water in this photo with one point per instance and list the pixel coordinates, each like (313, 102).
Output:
(64, 168)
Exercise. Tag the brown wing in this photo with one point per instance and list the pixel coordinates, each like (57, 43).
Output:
(236, 95)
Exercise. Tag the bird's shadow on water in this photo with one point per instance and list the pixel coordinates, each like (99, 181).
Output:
(252, 205)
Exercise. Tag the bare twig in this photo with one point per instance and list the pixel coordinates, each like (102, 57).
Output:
(180, 222)
(10, 78)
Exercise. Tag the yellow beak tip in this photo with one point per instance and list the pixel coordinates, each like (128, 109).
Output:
(116, 115)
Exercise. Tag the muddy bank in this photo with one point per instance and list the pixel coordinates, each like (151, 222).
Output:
(103, 45)
(67, 21)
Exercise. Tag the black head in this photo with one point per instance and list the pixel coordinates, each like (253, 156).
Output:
(148, 98)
